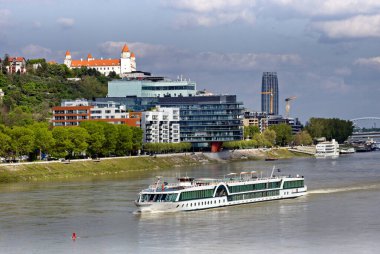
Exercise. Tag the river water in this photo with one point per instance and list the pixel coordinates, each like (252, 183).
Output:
(339, 215)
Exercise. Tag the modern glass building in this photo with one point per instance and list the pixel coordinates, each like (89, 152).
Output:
(269, 93)
(148, 86)
(205, 121)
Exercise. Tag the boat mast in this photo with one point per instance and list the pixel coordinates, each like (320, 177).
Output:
(271, 175)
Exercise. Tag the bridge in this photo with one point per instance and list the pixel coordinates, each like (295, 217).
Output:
(362, 120)
(360, 135)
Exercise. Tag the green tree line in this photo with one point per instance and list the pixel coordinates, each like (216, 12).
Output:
(89, 139)
(167, 147)
(330, 128)
(280, 135)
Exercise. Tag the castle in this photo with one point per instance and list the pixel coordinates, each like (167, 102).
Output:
(126, 63)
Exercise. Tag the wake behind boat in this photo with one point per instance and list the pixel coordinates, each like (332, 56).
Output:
(195, 194)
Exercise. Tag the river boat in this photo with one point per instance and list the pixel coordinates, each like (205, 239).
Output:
(347, 150)
(190, 194)
(327, 149)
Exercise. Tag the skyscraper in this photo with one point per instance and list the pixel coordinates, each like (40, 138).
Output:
(269, 93)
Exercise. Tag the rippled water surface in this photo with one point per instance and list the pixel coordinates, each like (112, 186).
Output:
(339, 215)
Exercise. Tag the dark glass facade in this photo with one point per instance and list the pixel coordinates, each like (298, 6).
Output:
(204, 120)
(208, 119)
(269, 88)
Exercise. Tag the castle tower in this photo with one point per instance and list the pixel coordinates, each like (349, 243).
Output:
(125, 52)
(133, 62)
(67, 60)
(89, 57)
(125, 60)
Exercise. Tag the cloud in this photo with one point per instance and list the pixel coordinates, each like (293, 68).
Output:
(354, 27)
(4, 18)
(36, 24)
(320, 8)
(344, 71)
(373, 62)
(211, 13)
(66, 23)
(171, 59)
(210, 5)
(36, 51)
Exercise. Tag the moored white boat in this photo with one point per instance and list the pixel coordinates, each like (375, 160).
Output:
(196, 194)
(327, 149)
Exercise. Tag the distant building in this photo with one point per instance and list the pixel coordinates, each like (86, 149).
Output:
(263, 121)
(122, 66)
(259, 119)
(144, 85)
(269, 93)
(161, 125)
(72, 113)
(205, 121)
(16, 65)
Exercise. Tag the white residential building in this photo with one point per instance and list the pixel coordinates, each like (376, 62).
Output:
(16, 64)
(122, 66)
(161, 125)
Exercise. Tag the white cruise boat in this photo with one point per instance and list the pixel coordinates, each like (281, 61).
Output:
(195, 194)
(327, 149)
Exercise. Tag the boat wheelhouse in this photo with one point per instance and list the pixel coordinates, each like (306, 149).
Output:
(204, 193)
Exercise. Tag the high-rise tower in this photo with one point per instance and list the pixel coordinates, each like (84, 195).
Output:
(269, 93)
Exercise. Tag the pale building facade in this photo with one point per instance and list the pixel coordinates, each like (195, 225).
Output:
(148, 86)
(161, 125)
(72, 113)
(122, 66)
(16, 64)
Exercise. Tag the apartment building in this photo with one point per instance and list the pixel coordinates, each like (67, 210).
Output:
(161, 125)
(72, 113)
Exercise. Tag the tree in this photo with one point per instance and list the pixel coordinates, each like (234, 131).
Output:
(43, 138)
(137, 136)
(20, 116)
(96, 138)
(78, 138)
(283, 134)
(124, 142)
(303, 138)
(250, 130)
(259, 139)
(63, 142)
(5, 64)
(22, 140)
(330, 128)
(111, 136)
(270, 136)
(5, 144)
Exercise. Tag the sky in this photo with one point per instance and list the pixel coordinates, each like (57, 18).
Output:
(325, 52)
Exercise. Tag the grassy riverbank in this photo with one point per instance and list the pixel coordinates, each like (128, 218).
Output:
(89, 168)
(126, 167)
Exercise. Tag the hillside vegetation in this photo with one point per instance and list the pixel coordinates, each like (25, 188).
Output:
(29, 97)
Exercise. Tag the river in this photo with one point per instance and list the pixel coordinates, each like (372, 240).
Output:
(340, 214)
